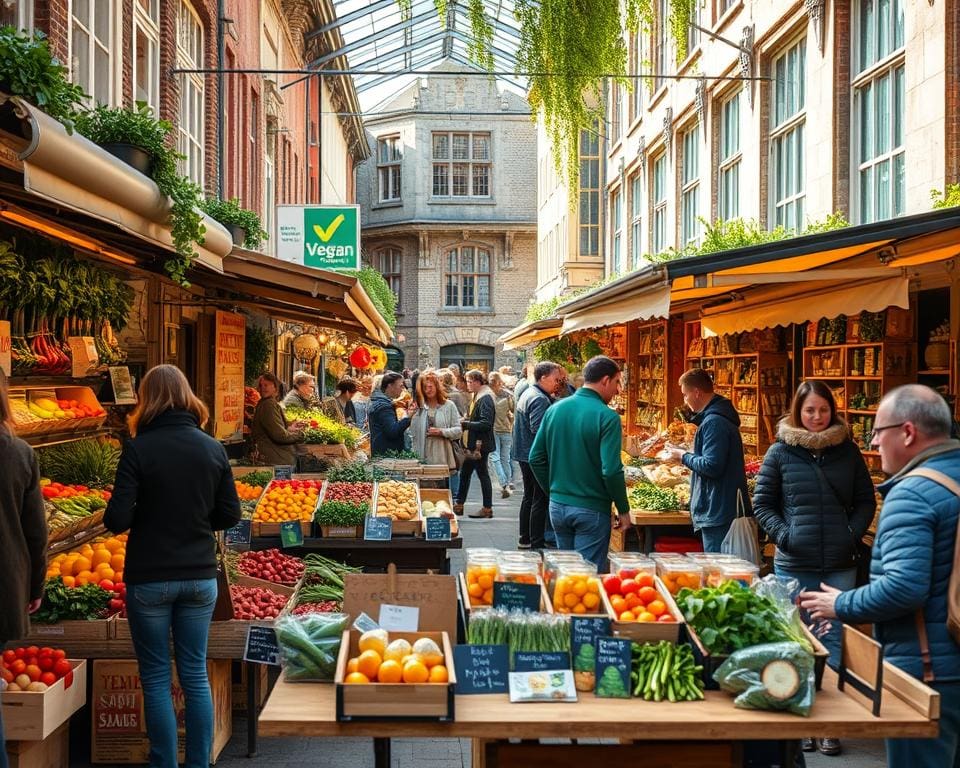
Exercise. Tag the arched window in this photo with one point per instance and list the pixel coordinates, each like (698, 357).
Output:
(467, 278)
(389, 263)
(190, 124)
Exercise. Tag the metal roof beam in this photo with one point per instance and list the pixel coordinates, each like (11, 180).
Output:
(380, 60)
(503, 27)
(464, 60)
(361, 87)
(467, 40)
(372, 38)
(352, 16)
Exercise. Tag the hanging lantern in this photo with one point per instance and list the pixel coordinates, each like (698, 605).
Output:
(378, 359)
(306, 347)
(360, 357)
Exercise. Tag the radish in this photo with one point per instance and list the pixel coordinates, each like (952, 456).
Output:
(781, 679)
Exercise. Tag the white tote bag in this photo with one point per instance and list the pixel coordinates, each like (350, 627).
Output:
(742, 540)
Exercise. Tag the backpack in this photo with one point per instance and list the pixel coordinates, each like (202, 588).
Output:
(953, 588)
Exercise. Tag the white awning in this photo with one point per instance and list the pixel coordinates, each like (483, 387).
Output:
(645, 304)
(530, 333)
(770, 311)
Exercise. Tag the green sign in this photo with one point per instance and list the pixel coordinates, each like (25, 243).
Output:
(327, 237)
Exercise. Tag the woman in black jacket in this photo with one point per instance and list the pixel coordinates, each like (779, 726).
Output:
(815, 499)
(479, 439)
(174, 488)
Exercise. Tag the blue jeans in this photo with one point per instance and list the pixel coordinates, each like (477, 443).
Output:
(941, 752)
(585, 530)
(186, 607)
(454, 484)
(843, 580)
(714, 535)
(500, 458)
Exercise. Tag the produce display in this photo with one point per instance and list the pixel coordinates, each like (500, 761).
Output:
(680, 573)
(254, 603)
(577, 591)
(249, 494)
(636, 599)
(34, 669)
(94, 563)
(439, 508)
(91, 462)
(344, 504)
(480, 577)
(321, 429)
(667, 475)
(47, 408)
(665, 671)
(271, 565)
(397, 500)
(774, 676)
(288, 500)
(309, 644)
(383, 661)
(323, 581)
(80, 603)
(354, 472)
(520, 630)
(650, 497)
(66, 504)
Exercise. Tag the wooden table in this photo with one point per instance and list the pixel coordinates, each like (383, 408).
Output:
(645, 521)
(411, 554)
(710, 727)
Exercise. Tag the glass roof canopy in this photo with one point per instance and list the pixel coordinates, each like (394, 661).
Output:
(379, 40)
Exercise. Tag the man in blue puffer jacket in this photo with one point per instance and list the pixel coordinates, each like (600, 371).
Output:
(911, 565)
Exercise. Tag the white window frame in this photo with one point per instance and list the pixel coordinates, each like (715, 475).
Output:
(190, 123)
(731, 155)
(616, 238)
(588, 219)
(883, 67)
(389, 169)
(147, 24)
(462, 276)
(616, 112)
(23, 10)
(658, 229)
(445, 165)
(787, 128)
(661, 44)
(388, 261)
(88, 80)
(636, 218)
(690, 187)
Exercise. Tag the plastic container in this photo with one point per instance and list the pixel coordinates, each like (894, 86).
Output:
(744, 572)
(627, 565)
(677, 574)
(552, 562)
(578, 590)
(518, 571)
(526, 556)
(482, 571)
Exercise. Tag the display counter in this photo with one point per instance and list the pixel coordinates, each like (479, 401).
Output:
(410, 555)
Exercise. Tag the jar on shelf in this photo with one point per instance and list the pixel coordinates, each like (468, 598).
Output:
(577, 589)
(482, 570)
(677, 574)
(527, 555)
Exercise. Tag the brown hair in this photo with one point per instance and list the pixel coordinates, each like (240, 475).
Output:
(475, 374)
(698, 379)
(272, 378)
(804, 391)
(6, 415)
(165, 388)
(430, 376)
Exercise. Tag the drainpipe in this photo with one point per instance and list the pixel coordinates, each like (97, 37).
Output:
(306, 134)
(221, 107)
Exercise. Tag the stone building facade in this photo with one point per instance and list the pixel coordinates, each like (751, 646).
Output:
(448, 212)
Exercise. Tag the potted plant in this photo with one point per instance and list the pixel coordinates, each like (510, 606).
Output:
(132, 135)
(244, 224)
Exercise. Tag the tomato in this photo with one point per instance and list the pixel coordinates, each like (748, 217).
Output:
(9, 656)
(45, 663)
(107, 585)
(59, 654)
(628, 587)
(45, 651)
(618, 604)
(634, 602)
(33, 672)
(645, 580)
(6, 675)
(665, 619)
(61, 667)
(48, 678)
(18, 666)
(647, 594)
(32, 650)
(20, 652)
(68, 679)
(612, 584)
(628, 573)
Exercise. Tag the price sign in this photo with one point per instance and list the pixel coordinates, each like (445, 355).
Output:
(291, 534)
(613, 668)
(509, 594)
(377, 528)
(261, 646)
(481, 668)
(399, 618)
(524, 661)
(437, 528)
(283, 472)
(238, 535)
(583, 641)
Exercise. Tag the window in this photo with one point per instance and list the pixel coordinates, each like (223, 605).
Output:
(636, 93)
(690, 188)
(878, 109)
(661, 38)
(659, 231)
(788, 117)
(616, 250)
(461, 165)
(190, 127)
(146, 53)
(693, 34)
(729, 192)
(466, 278)
(616, 111)
(389, 156)
(388, 262)
(724, 6)
(17, 14)
(589, 220)
(636, 217)
(91, 48)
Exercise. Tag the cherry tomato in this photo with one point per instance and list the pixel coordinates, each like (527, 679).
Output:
(611, 584)
(628, 587)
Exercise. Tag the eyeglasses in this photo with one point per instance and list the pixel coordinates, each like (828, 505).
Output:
(877, 430)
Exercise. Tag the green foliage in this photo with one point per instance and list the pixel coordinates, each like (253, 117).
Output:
(544, 310)
(229, 213)
(480, 48)
(258, 347)
(380, 294)
(28, 69)
(949, 198)
(681, 14)
(105, 125)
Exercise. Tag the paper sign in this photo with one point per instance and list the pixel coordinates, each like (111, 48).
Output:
(583, 644)
(524, 661)
(261, 646)
(437, 528)
(291, 534)
(399, 618)
(283, 472)
(228, 350)
(481, 668)
(509, 594)
(549, 686)
(83, 352)
(613, 668)
(5, 347)
(377, 528)
(123, 391)
(239, 534)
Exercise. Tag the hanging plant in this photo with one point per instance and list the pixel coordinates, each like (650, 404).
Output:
(480, 49)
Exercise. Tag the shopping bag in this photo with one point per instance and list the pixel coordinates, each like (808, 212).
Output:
(742, 540)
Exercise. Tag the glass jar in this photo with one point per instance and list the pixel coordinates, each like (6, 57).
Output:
(677, 574)
(577, 589)
(527, 556)
(482, 570)
(518, 570)
(552, 562)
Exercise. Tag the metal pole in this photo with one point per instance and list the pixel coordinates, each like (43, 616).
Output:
(221, 106)
(306, 139)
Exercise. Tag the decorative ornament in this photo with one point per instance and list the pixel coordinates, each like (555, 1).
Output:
(700, 97)
(378, 359)
(668, 127)
(360, 358)
(815, 12)
(642, 153)
(746, 61)
(306, 347)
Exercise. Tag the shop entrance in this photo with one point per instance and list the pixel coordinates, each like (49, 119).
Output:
(467, 356)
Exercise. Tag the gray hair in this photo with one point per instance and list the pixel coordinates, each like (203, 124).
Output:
(495, 378)
(302, 377)
(921, 406)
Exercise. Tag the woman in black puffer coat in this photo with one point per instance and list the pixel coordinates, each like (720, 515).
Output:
(478, 437)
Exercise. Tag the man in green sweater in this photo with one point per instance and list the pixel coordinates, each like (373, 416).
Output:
(576, 459)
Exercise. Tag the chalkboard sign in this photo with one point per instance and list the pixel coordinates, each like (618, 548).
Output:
(524, 661)
(437, 528)
(613, 668)
(291, 534)
(481, 668)
(239, 534)
(583, 641)
(509, 594)
(283, 472)
(261, 646)
(377, 528)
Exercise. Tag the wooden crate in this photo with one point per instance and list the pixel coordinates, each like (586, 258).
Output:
(435, 495)
(51, 752)
(394, 701)
(546, 605)
(34, 716)
(340, 531)
(645, 631)
(400, 527)
(337, 451)
(98, 629)
(259, 529)
(118, 730)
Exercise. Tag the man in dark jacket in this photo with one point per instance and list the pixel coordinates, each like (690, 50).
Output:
(386, 430)
(906, 599)
(716, 460)
(531, 406)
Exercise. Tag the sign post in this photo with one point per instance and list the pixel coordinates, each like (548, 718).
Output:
(323, 236)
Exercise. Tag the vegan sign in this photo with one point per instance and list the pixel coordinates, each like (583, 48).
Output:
(327, 237)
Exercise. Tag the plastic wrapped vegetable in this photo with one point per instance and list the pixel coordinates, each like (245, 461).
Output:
(309, 644)
(774, 676)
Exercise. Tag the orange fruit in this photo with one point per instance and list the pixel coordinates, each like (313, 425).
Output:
(390, 672)
(68, 581)
(657, 607)
(415, 672)
(116, 562)
(591, 601)
(644, 580)
(647, 594)
(356, 678)
(106, 573)
(579, 608)
(82, 564)
(619, 604)
(438, 674)
(100, 556)
(368, 663)
(352, 666)
(646, 616)
(627, 616)
(570, 599)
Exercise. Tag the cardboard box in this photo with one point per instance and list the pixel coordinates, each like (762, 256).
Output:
(34, 716)
(51, 752)
(118, 730)
(435, 596)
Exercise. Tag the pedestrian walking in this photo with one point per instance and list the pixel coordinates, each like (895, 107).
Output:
(174, 488)
(503, 434)
(479, 441)
(523, 382)
(386, 430)
(912, 568)
(716, 461)
(531, 407)
(576, 458)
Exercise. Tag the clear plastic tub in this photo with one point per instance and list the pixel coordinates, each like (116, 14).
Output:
(677, 574)
(518, 570)
(628, 565)
(527, 556)
(482, 571)
(743, 572)
(552, 562)
(577, 589)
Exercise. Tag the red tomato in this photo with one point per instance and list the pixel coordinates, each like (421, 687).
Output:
(107, 585)
(61, 668)
(634, 602)
(68, 679)
(647, 594)
(46, 651)
(46, 663)
(666, 618)
(59, 654)
(645, 580)
(20, 652)
(9, 656)
(32, 650)
(18, 666)
(48, 678)
(33, 672)
(6, 675)
(628, 573)
(628, 587)
(611, 584)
